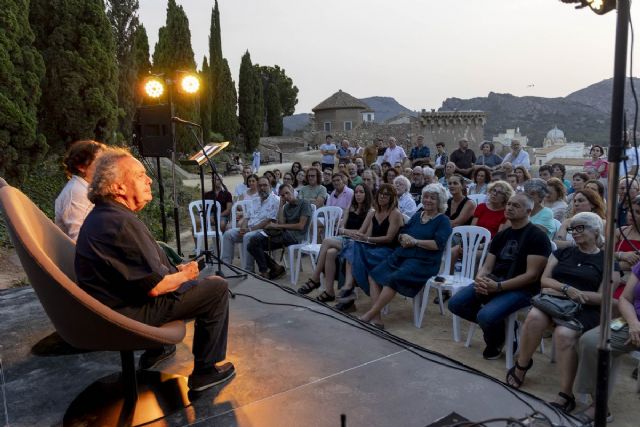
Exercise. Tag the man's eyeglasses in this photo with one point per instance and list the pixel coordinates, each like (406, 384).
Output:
(576, 229)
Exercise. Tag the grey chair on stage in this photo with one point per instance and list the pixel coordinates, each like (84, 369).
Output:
(47, 256)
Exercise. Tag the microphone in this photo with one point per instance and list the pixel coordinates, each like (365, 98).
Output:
(184, 122)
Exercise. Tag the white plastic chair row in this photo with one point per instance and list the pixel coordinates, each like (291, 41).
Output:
(197, 222)
(478, 198)
(244, 206)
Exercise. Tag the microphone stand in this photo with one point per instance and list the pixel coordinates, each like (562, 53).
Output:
(207, 252)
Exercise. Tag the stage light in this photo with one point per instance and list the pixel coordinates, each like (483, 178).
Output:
(154, 88)
(598, 6)
(190, 84)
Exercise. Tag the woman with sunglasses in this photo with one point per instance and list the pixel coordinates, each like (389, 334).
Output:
(490, 215)
(406, 270)
(351, 222)
(373, 243)
(574, 272)
(583, 201)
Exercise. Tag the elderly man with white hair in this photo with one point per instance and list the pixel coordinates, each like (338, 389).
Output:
(119, 263)
(517, 156)
(422, 243)
(406, 204)
(417, 183)
(394, 153)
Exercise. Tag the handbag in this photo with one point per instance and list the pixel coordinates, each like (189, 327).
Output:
(556, 307)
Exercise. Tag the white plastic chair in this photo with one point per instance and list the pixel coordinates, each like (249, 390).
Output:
(472, 237)
(330, 216)
(195, 210)
(478, 198)
(508, 332)
(293, 248)
(243, 205)
(556, 225)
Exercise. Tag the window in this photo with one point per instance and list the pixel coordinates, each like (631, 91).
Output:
(369, 118)
(327, 126)
(347, 125)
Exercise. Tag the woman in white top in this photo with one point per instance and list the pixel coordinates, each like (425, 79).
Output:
(555, 199)
(406, 204)
(72, 205)
(252, 190)
(481, 176)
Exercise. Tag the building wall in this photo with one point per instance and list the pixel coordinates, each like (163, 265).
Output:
(451, 126)
(337, 118)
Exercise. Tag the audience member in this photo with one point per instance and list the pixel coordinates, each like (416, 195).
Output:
(583, 201)
(359, 165)
(262, 211)
(448, 172)
(597, 186)
(522, 174)
(328, 151)
(252, 188)
(556, 198)
(460, 208)
(591, 172)
(498, 175)
(327, 178)
(537, 190)
(509, 277)
(596, 161)
(429, 175)
(491, 215)
(278, 175)
(381, 149)
(628, 189)
(577, 181)
(243, 186)
(344, 153)
(370, 180)
(507, 168)
(295, 168)
(352, 171)
(627, 245)
(488, 158)
(394, 153)
(406, 204)
(294, 217)
(417, 183)
(224, 198)
(574, 273)
(464, 158)
(313, 192)
(72, 204)
(301, 180)
(341, 195)
(512, 179)
(418, 258)
(384, 166)
(370, 154)
(630, 165)
(255, 161)
(545, 172)
(420, 154)
(517, 156)
(440, 160)
(389, 175)
(480, 177)
(272, 181)
(559, 171)
(376, 168)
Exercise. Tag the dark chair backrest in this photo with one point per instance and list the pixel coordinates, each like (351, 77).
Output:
(47, 256)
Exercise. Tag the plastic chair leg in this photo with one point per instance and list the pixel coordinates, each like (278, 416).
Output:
(472, 330)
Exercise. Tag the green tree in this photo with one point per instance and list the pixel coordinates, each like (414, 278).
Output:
(249, 104)
(21, 68)
(205, 99)
(142, 63)
(123, 17)
(173, 54)
(79, 89)
(273, 110)
(215, 50)
(226, 104)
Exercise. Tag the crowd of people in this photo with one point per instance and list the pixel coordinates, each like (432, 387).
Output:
(398, 215)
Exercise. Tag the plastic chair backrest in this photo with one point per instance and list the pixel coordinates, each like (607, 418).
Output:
(242, 204)
(478, 198)
(472, 237)
(312, 231)
(556, 224)
(332, 216)
(195, 209)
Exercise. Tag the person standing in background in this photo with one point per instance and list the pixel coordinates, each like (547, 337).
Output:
(328, 151)
(255, 163)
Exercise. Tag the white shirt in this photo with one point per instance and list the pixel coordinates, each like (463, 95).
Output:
(328, 158)
(72, 206)
(407, 205)
(394, 155)
(522, 159)
(240, 189)
(261, 210)
(632, 160)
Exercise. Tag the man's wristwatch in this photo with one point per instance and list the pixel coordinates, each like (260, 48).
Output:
(564, 288)
(499, 286)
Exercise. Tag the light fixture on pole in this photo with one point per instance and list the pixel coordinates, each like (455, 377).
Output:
(598, 6)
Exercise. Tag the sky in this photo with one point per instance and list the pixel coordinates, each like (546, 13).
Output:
(419, 52)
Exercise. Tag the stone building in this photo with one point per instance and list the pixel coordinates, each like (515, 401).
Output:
(340, 112)
(504, 139)
(450, 127)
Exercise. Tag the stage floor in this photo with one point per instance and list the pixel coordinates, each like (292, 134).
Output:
(294, 368)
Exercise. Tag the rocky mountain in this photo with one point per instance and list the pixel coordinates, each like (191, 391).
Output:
(385, 107)
(598, 95)
(295, 123)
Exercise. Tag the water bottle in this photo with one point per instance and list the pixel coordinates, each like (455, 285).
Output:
(457, 271)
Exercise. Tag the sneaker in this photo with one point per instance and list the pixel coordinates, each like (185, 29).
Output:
(346, 306)
(212, 377)
(491, 353)
(277, 272)
(151, 358)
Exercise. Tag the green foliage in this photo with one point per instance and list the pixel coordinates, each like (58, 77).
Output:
(258, 102)
(274, 111)
(142, 63)
(250, 116)
(205, 98)
(288, 93)
(79, 89)
(225, 105)
(21, 68)
(215, 50)
(173, 54)
(123, 17)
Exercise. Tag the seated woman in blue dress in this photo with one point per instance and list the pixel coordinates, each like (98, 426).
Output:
(370, 245)
(422, 243)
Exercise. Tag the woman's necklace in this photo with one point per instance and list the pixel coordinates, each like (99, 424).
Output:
(424, 220)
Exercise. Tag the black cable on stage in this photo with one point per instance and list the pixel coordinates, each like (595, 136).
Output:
(406, 345)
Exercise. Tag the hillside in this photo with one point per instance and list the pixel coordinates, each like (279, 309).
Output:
(385, 107)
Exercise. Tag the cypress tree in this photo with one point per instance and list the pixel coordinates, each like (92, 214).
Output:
(205, 100)
(21, 68)
(274, 110)
(124, 22)
(173, 53)
(142, 63)
(247, 90)
(258, 100)
(81, 81)
(215, 50)
(227, 99)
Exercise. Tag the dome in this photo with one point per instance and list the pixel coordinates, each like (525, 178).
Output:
(555, 133)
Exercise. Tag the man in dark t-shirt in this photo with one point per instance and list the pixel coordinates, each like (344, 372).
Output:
(464, 158)
(509, 277)
(119, 263)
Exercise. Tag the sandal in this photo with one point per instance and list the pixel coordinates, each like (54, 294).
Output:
(325, 297)
(309, 286)
(512, 379)
(568, 405)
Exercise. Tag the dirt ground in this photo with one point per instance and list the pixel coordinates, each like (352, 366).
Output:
(435, 333)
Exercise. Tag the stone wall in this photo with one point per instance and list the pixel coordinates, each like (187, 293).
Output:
(451, 126)
(337, 118)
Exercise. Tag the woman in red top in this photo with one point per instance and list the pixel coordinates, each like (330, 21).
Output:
(600, 164)
(627, 245)
(490, 215)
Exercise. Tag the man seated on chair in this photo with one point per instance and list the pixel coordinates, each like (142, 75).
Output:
(509, 277)
(120, 264)
(262, 211)
(294, 217)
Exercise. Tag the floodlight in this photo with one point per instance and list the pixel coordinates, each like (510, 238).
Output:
(598, 6)
(154, 88)
(190, 84)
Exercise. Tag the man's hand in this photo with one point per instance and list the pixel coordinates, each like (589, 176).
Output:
(634, 334)
(243, 231)
(485, 286)
(190, 269)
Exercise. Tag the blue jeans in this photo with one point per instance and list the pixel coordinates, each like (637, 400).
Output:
(489, 311)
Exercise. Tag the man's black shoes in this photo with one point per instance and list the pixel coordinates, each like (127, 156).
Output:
(203, 380)
(491, 353)
(151, 358)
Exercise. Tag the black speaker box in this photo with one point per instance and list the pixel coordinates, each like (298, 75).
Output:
(153, 130)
